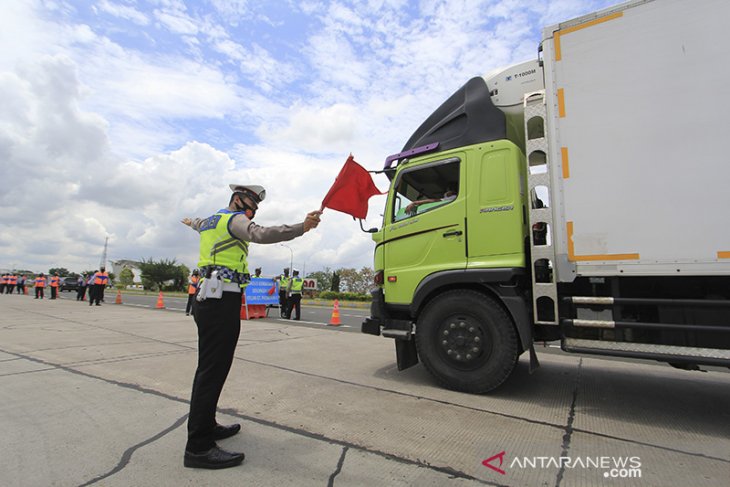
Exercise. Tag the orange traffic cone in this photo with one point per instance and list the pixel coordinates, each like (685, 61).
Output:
(119, 297)
(335, 319)
(25, 290)
(160, 302)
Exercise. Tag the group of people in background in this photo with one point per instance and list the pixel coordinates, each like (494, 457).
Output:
(10, 282)
(96, 282)
(290, 292)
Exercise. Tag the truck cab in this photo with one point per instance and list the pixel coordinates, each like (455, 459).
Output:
(454, 236)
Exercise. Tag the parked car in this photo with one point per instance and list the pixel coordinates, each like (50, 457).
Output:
(69, 284)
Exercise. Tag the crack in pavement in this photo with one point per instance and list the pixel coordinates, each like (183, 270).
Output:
(272, 424)
(365, 386)
(338, 469)
(127, 455)
(392, 391)
(569, 425)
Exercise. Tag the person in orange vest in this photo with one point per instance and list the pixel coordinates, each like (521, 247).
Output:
(192, 288)
(40, 285)
(54, 282)
(101, 279)
(12, 282)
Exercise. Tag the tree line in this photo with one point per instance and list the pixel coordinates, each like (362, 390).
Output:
(168, 275)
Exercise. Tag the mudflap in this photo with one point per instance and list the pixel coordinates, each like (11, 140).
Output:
(371, 326)
(534, 362)
(406, 353)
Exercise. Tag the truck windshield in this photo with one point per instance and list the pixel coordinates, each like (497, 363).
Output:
(425, 188)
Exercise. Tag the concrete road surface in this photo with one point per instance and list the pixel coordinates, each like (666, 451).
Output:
(98, 396)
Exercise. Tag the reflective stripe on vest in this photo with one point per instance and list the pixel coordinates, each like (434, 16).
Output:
(297, 285)
(219, 247)
(40, 282)
(54, 281)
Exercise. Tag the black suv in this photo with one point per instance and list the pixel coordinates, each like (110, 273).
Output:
(69, 283)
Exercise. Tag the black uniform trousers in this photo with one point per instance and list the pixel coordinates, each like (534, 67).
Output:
(96, 293)
(189, 305)
(54, 292)
(39, 292)
(283, 304)
(219, 324)
(80, 293)
(295, 303)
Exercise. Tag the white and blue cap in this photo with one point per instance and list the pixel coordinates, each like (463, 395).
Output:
(258, 193)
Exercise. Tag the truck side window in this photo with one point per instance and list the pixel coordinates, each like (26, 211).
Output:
(425, 189)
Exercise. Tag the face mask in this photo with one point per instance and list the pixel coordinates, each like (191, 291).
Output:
(246, 209)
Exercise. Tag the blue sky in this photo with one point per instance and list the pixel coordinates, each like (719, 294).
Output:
(120, 117)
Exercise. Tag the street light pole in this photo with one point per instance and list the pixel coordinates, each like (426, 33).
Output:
(291, 261)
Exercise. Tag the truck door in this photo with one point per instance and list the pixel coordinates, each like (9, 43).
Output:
(495, 218)
(425, 226)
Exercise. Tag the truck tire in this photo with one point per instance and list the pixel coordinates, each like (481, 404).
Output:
(467, 341)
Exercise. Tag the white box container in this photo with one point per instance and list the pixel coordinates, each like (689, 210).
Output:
(638, 99)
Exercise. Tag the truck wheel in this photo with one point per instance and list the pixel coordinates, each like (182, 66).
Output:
(466, 340)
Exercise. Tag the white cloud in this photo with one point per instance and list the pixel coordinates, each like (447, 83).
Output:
(122, 121)
(122, 11)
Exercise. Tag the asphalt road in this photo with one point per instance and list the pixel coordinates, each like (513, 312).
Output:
(312, 316)
(351, 319)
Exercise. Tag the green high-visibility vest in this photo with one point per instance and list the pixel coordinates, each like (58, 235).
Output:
(297, 285)
(283, 282)
(219, 247)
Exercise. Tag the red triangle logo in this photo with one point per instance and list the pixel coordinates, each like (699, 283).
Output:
(488, 463)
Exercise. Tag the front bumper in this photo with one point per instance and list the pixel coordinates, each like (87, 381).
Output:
(381, 322)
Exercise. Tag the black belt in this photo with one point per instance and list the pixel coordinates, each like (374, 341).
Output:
(226, 273)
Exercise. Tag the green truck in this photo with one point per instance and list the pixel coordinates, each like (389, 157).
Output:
(578, 197)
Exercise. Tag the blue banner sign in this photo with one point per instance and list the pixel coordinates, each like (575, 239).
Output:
(259, 291)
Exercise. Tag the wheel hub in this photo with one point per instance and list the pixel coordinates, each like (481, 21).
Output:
(462, 341)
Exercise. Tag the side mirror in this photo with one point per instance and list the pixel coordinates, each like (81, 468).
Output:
(371, 230)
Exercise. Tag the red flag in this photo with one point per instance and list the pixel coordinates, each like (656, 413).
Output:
(351, 190)
(272, 290)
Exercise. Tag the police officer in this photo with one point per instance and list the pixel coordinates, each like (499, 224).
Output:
(283, 293)
(295, 295)
(81, 287)
(100, 280)
(224, 240)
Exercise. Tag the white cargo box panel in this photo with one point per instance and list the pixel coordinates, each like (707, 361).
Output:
(638, 107)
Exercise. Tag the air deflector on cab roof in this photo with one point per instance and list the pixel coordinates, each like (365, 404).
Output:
(468, 117)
